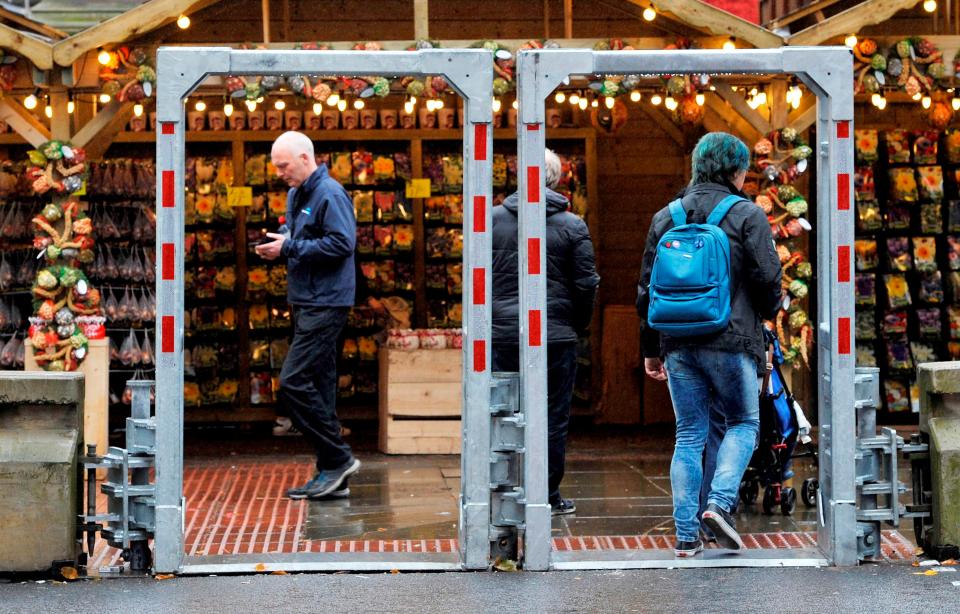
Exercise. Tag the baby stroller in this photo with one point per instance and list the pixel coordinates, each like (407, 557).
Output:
(782, 425)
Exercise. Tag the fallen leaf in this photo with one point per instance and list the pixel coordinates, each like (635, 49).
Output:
(381, 529)
(260, 567)
(916, 563)
(394, 571)
(918, 551)
(505, 565)
(278, 572)
(69, 573)
(164, 576)
(948, 562)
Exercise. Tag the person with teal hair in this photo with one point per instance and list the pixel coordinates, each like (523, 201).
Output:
(718, 373)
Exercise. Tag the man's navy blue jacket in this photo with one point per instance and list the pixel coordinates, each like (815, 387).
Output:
(323, 233)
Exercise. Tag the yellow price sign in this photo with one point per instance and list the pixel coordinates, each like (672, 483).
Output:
(82, 190)
(418, 188)
(239, 196)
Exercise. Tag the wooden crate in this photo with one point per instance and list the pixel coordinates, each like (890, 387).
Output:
(420, 401)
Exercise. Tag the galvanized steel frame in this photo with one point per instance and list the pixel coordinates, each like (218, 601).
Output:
(469, 72)
(828, 73)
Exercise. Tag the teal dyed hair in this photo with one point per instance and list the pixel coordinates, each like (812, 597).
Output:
(718, 157)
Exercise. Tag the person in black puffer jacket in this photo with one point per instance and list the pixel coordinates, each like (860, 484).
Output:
(572, 282)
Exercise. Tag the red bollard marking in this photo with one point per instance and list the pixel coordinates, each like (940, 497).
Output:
(166, 192)
(479, 214)
(533, 256)
(166, 128)
(843, 263)
(533, 317)
(168, 255)
(480, 142)
(533, 184)
(843, 130)
(843, 335)
(166, 332)
(843, 192)
(479, 355)
(479, 286)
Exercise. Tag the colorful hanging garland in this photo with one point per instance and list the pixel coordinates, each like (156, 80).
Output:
(777, 163)
(63, 301)
(128, 75)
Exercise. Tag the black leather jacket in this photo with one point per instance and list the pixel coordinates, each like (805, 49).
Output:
(755, 274)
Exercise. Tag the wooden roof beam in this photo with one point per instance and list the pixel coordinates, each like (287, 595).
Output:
(716, 21)
(38, 27)
(788, 19)
(23, 122)
(137, 21)
(37, 51)
(850, 21)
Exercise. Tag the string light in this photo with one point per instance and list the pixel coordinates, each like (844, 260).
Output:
(342, 105)
(228, 109)
(413, 100)
(103, 56)
(279, 105)
(875, 99)
(574, 98)
(650, 13)
(104, 98)
(656, 99)
(925, 102)
(582, 103)
(882, 103)
(515, 105)
(701, 99)
(251, 105)
(71, 106)
(955, 103)
(200, 106)
(138, 110)
(333, 99)
(670, 103)
(850, 41)
(408, 106)
(761, 98)
(608, 101)
(929, 5)
(30, 101)
(560, 97)
(594, 104)
(48, 111)
(358, 104)
(794, 96)
(730, 44)
(439, 103)
(635, 96)
(183, 22)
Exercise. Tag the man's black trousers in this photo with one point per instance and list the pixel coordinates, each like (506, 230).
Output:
(308, 382)
(561, 372)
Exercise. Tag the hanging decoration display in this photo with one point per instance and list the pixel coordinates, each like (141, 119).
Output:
(913, 65)
(778, 161)
(8, 72)
(66, 307)
(126, 74)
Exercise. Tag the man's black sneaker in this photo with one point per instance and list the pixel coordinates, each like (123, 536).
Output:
(325, 483)
(687, 549)
(723, 527)
(563, 507)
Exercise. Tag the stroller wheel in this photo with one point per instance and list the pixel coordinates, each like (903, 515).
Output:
(808, 491)
(749, 489)
(788, 500)
(769, 499)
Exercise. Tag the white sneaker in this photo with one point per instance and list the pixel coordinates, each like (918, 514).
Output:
(283, 427)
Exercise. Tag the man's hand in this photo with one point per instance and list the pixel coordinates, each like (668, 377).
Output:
(654, 369)
(271, 250)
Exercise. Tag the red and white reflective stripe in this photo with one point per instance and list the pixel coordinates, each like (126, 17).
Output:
(481, 140)
(533, 256)
(167, 261)
(479, 213)
(844, 252)
(533, 325)
(843, 336)
(479, 286)
(168, 250)
(843, 264)
(843, 178)
(534, 244)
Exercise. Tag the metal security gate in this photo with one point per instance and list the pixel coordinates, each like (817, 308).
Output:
(470, 73)
(828, 73)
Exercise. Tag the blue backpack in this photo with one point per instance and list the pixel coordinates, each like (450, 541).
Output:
(690, 281)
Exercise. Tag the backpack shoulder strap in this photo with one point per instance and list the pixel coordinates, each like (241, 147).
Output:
(677, 213)
(724, 206)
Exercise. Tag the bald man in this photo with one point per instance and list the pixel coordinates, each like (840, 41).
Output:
(320, 289)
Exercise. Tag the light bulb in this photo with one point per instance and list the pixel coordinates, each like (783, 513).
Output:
(48, 111)
(955, 103)
(259, 99)
(729, 45)
(608, 101)
(650, 13)
(515, 105)
(279, 105)
(761, 98)
(408, 106)
(71, 106)
(670, 103)
(574, 98)
(635, 96)
(753, 103)
(582, 103)
(700, 98)
(183, 22)
(656, 99)
(138, 109)
(795, 104)
(850, 41)
(882, 103)
(916, 96)
(413, 100)
(874, 99)
(228, 109)
(929, 5)
(594, 104)
(30, 102)
(333, 99)
(251, 105)
(753, 91)
(429, 105)
(342, 105)
(103, 57)
(560, 97)
(104, 98)
(358, 104)
(925, 102)
(439, 103)
(200, 106)
(317, 108)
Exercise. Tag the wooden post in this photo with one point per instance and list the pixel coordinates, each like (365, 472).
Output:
(242, 312)
(60, 122)
(286, 20)
(421, 19)
(419, 234)
(546, 18)
(568, 18)
(265, 9)
(778, 104)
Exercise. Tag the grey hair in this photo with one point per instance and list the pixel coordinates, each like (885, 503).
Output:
(295, 142)
(552, 168)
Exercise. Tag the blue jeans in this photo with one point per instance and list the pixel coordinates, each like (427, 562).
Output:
(699, 379)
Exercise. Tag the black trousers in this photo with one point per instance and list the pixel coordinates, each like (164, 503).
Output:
(561, 372)
(308, 382)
